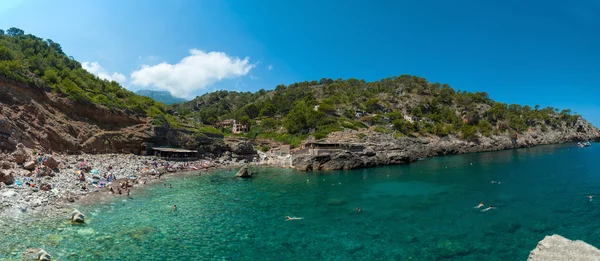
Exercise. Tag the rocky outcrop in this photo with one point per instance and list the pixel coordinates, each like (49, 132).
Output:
(244, 172)
(384, 149)
(77, 217)
(243, 148)
(35, 118)
(558, 248)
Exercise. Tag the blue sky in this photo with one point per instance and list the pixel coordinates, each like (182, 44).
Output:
(526, 52)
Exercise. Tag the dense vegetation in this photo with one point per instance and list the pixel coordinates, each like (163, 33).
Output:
(404, 105)
(38, 62)
(317, 108)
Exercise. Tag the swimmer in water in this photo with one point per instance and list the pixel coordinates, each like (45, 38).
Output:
(357, 210)
(480, 205)
(174, 207)
(490, 207)
(591, 197)
(493, 182)
(292, 218)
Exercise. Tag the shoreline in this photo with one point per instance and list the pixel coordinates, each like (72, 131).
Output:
(27, 206)
(21, 204)
(384, 149)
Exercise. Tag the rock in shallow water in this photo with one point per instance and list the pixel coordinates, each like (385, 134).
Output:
(77, 217)
(557, 248)
(244, 172)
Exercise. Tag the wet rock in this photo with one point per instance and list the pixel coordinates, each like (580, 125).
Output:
(30, 165)
(77, 217)
(244, 172)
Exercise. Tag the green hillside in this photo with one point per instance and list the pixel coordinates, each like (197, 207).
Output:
(405, 105)
(42, 63)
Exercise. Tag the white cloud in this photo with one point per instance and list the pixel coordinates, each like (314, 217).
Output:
(270, 67)
(194, 72)
(96, 69)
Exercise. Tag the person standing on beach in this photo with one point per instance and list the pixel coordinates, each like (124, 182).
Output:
(128, 192)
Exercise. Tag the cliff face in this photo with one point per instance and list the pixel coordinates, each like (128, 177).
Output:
(383, 149)
(40, 119)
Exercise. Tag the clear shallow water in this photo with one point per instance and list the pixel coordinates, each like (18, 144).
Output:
(420, 211)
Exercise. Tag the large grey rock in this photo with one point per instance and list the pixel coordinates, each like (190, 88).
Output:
(558, 248)
(7, 177)
(244, 172)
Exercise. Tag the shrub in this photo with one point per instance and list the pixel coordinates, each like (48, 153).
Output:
(469, 132)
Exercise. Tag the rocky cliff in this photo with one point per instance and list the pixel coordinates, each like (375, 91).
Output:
(40, 119)
(384, 149)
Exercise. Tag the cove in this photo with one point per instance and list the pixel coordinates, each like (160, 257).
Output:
(420, 211)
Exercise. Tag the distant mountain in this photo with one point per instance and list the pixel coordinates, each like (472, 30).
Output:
(161, 96)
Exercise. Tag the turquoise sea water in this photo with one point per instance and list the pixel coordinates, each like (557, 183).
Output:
(420, 211)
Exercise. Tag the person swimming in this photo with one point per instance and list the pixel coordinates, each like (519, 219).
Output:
(358, 210)
(480, 205)
(490, 207)
(591, 197)
(292, 218)
(174, 207)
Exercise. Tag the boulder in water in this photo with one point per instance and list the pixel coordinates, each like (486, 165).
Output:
(244, 172)
(77, 217)
(44, 256)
